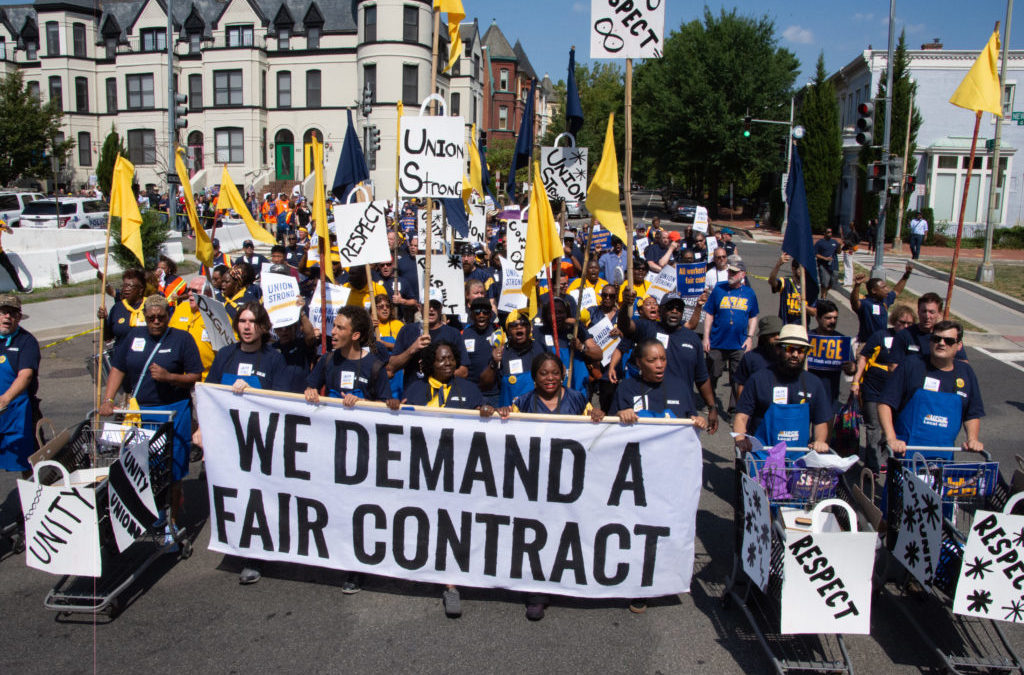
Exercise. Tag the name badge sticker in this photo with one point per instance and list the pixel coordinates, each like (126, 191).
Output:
(348, 378)
(780, 395)
(887, 341)
(245, 369)
(515, 366)
(876, 309)
(663, 339)
(471, 346)
(931, 384)
(138, 344)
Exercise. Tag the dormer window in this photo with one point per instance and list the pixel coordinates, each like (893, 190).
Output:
(284, 38)
(195, 43)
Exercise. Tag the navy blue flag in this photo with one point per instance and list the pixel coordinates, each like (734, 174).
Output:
(573, 108)
(485, 175)
(798, 242)
(524, 141)
(351, 164)
(455, 211)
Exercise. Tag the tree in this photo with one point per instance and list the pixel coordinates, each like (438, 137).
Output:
(154, 234)
(27, 133)
(602, 90)
(822, 147)
(112, 147)
(689, 105)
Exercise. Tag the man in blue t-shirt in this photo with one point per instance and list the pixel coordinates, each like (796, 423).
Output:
(825, 252)
(730, 323)
(872, 309)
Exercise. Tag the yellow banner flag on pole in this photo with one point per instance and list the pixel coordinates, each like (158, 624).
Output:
(230, 198)
(124, 206)
(475, 172)
(542, 243)
(603, 193)
(320, 209)
(204, 247)
(455, 16)
(980, 90)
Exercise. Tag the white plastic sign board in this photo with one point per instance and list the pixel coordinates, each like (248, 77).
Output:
(626, 29)
(437, 234)
(130, 496)
(917, 545)
(511, 287)
(700, 221)
(280, 292)
(602, 334)
(61, 529)
(664, 282)
(756, 545)
(432, 157)
(477, 224)
(215, 318)
(446, 281)
(564, 172)
(992, 573)
(362, 230)
(337, 297)
(515, 242)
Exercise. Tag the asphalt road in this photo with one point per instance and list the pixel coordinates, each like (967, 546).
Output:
(192, 615)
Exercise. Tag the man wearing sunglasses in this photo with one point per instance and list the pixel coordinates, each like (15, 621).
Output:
(480, 336)
(916, 340)
(927, 400)
(718, 271)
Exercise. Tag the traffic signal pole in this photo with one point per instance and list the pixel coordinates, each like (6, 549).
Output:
(172, 127)
(878, 271)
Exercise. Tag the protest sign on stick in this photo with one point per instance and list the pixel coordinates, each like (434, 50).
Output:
(446, 282)
(564, 172)
(336, 296)
(280, 292)
(217, 322)
(362, 233)
(432, 157)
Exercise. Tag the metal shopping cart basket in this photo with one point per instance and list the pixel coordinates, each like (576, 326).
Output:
(964, 483)
(793, 491)
(88, 450)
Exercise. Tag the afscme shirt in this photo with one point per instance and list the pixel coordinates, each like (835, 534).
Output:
(731, 308)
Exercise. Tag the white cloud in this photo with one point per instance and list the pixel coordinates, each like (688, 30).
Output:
(578, 7)
(798, 35)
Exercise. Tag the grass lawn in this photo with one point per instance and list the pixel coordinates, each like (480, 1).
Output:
(908, 298)
(1009, 277)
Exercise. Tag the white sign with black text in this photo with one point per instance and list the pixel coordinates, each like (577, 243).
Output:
(991, 583)
(61, 526)
(362, 230)
(447, 282)
(130, 496)
(280, 292)
(626, 29)
(917, 545)
(564, 172)
(432, 157)
(756, 544)
(337, 297)
(217, 322)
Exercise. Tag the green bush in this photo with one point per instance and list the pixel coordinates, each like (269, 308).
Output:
(154, 234)
(1008, 237)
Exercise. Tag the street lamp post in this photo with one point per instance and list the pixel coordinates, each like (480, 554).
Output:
(878, 271)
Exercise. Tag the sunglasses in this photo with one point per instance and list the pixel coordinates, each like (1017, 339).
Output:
(949, 341)
(481, 310)
(794, 349)
(156, 317)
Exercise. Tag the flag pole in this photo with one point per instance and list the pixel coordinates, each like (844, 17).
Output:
(428, 251)
(99, 348)
(803, 297)
(960, 222)
(579, 295)
(626, 173)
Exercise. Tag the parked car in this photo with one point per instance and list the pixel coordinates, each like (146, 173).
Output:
(575, 208)
(12, 203)
(76, 213)
(684, 210)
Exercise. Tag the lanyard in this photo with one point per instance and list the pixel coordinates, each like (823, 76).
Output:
(145, 368)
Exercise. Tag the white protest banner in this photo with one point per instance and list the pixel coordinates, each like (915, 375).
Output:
(826, 586)
(756, 545)
(362, 230)
(447, 282)
(215, 318)
(337, 297)
(626, 29)
(436, 496)
(432, 158)
(515, 240)
(511, 287)
(477, 224)
(700, 221)
(641, 244)
(602, 334)
(564, 172)
(265, 268)
(664, 282)
(711, 242)
(61, 526)
(992, 573)
(130, 494)
(917, 545)
(279, 294)
(437, 235)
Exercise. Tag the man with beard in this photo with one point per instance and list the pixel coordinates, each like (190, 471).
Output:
(760, 357)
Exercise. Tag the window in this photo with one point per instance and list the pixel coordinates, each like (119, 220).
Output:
(195, 93)
(142, 146)
(411, 24)
(503, 80)
(947, 162)
(370, 78)
(33, 90)
(52, 38)
(239, 36)
(31, 50)
(56, 91)
(3, 48)
(284, 38)
(140, 92)
(313, 38)
(410, 85)
(455, 105)
(370, 24)
(228, 146)
(78, 42)
(474, 120)
(312, 88)
(457, 68)
(111, 95)
(227, 87)
(476, 66)
(263, 146)
(84, 149)
(154, 39)
(284, 89)
(81, 95)
(195, 43)
(1008, 92)
(503, 117)
(110, 46)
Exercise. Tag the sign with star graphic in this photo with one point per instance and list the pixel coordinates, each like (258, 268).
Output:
(756, 546)
(920, 535)
(564, 172)
(991, 583)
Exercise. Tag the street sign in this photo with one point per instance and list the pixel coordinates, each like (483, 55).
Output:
(172, 179)
(785, 182)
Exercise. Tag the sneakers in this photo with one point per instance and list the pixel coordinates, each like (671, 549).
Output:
(535, 607)
(353, 583)
(170, 540)
(249, 575)
(638, 605)
(452, 603)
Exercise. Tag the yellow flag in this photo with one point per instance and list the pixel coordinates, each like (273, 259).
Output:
(475, 172)
(320, 209)
(455, 15)
(603, 193)
(204, 247)
(980, 90)
(124, 206)
(542, 242)
(231, 199)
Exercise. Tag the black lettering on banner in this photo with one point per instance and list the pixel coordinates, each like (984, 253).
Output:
(630, 476)
(492, 523)
(48, 537)
(359, 533)
(820, 570)
(254, 523)
(284, 521)
(220, 513)
(528, 472)
(385, 455)
(252, 438)
(341, 430)
(311, 526)
(601, 554)
(569, 555)
(422, 537)
(55, 504)
(478, 467)
(416, 183)
(457, 544)
(292, 445)
(443, 467)
(612, 43)
(579, 463)
(521, 547)
(651, 533)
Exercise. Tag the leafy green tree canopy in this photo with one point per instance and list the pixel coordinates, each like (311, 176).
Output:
(27, 132)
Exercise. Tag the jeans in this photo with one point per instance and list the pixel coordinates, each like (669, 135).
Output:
(915, 245)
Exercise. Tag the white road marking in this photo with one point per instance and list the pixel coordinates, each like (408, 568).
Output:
(1004, 357)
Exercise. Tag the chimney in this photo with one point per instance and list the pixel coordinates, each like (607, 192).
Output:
(936, 43)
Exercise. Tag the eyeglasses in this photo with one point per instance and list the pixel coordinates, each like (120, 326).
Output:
(949, 341)
(156, 317)
(794, 349)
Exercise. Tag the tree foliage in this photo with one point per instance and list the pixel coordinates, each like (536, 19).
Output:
(27, 132)
(822, 146)
(154, 234)
(112, 146)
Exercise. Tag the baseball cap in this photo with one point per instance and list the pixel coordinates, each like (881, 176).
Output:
(769, 324)
(736, 264)
(215, 242)
(247, 242)
(11, 300)
(674, 236)
(794, 334)
(670, 297)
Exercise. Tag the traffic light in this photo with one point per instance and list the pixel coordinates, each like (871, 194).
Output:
(374, 135)
(876, 177)
(911, 182)
(746, 126)
(180, 111)
(366, 107)
(483, 139)
(865, 123)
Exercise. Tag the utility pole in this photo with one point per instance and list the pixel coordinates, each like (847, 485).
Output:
(172, 127)
(878, 271)
(987, 271)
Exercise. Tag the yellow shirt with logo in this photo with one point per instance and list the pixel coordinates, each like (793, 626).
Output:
(192, 323)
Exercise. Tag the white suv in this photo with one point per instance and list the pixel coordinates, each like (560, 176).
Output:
(12, 203)
(77, 213)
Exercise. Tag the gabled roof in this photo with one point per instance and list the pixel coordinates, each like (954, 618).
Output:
(194, 22)
(130, 26)
(497, 46)
(283, 19)
(525, 67)
(18, 18)
(313, 16)
(260, 14)
(469, 31)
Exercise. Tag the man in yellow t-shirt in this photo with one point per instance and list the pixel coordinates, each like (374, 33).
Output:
(586, 290)
(359, 293)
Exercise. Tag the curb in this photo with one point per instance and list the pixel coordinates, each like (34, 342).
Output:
(974, 287)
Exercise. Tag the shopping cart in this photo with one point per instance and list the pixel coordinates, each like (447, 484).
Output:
(793, 492)
(94, 445)
(964, 482)
(14, 531)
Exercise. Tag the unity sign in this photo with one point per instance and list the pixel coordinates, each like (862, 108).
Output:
(568, 507)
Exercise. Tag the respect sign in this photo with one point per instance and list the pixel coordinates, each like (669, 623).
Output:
(626, 29)
(564, 172)
(362, 230)
(432, 156)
